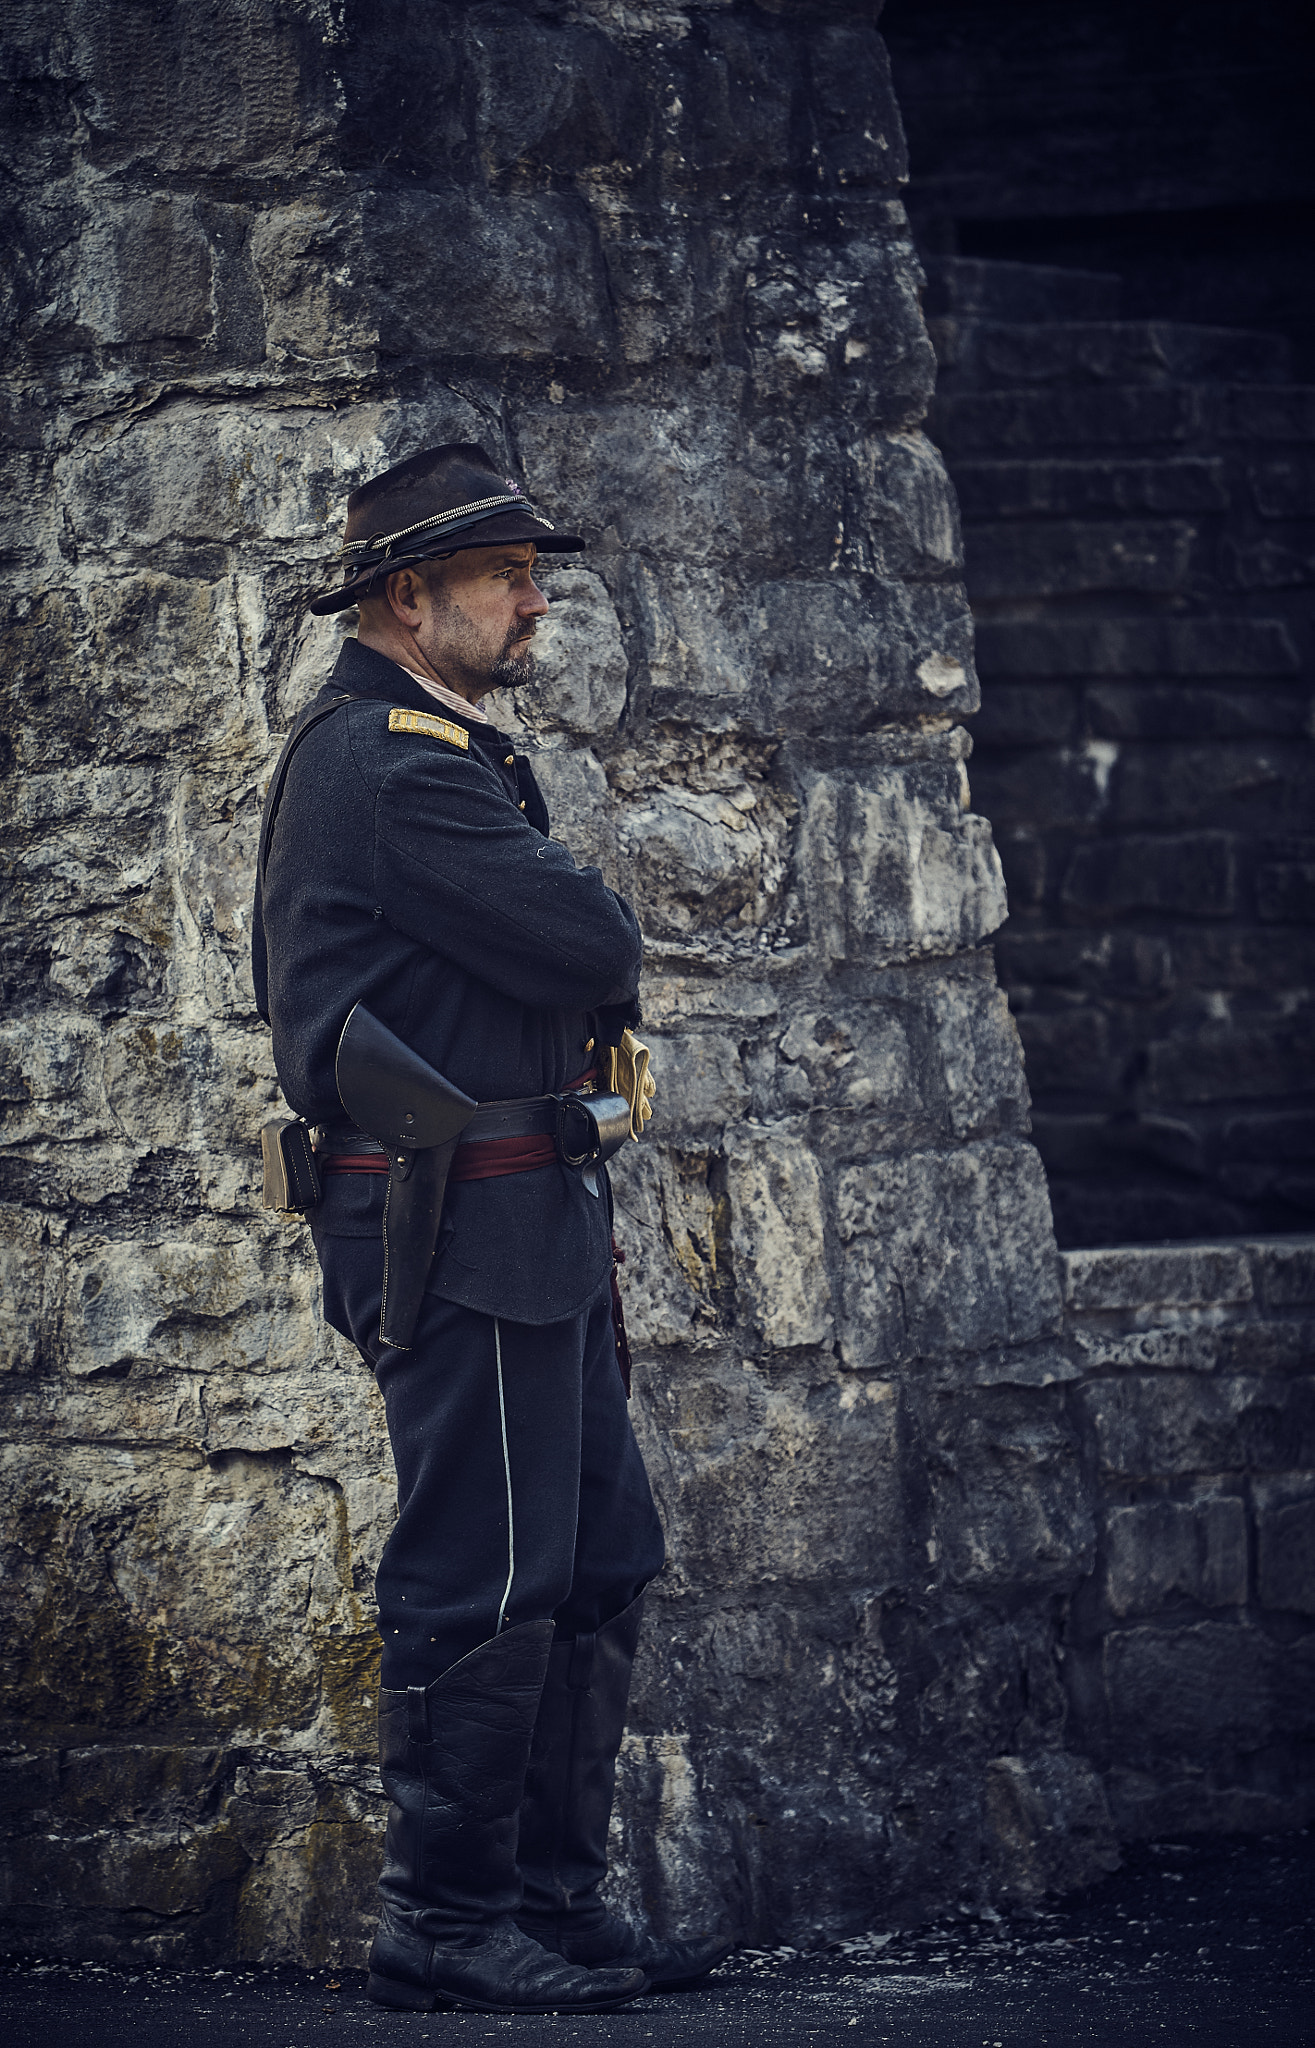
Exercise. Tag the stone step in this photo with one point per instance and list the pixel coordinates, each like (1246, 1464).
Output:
(1031, 490)
(1071, 558)
(990, 354)
(1132, 416)
(976, 287)
(1136, 646)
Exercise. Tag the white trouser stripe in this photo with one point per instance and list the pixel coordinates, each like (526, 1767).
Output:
(506, 1466)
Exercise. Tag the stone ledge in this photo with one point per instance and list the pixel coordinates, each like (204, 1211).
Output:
(1227, 1273)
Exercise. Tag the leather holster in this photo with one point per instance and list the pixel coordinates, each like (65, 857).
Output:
(402, 1102)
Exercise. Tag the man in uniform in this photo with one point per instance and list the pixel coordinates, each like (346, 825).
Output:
(412, 916)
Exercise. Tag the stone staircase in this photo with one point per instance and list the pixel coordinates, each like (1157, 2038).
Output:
(1138, 499)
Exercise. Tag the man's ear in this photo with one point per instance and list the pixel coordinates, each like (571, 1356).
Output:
(404, 588)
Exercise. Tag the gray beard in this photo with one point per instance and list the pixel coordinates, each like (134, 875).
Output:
(508, 672)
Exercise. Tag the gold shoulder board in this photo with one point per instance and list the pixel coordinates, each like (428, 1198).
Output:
(425, 721)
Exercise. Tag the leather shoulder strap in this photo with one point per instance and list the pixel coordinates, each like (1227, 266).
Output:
(280, 775)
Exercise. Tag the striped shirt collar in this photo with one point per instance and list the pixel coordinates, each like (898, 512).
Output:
(441, 692)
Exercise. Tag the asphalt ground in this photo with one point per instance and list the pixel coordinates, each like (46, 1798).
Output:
(1206, 1943)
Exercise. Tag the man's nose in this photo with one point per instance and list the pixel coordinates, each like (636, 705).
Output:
(534, 604)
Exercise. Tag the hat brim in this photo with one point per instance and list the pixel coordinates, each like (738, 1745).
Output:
(499, 531)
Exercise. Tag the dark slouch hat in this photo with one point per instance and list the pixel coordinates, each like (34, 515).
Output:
(435, 503)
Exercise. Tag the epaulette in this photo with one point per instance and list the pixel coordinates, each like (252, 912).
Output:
(426, 721)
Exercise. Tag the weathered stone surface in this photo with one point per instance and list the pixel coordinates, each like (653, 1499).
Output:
(1184, 1690)
(1144, 1276)
(897, 866)
(656, 261)
(1145, 763)
(915, 1284)
(1050, 1823)
(1167, 1548)
(1168, 1425)
(1009, 1499)
(1285, 1535)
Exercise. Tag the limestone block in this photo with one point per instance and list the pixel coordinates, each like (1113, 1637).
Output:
(215, 884)
(535, 259)
(52, 1083)
(1285, 1544)
(1064, 558)
(701, 1082)
(1191, 874)
(906, 510)
(853, 1056)
(165, 1892)
(1049, 1824)
(777, 1235)
(579, 682)
(705, 859)
(971, 1060)
(945, 1251)
(1161, 1427)
(110, 968)
(1191, 1691)
(142, 273)
(666, 1225)
(153, 1587)
(861, 133)
(310, 265)
(220, 473)
(209, 1307)
(684, 479)
(181, 1085)
(131, 633)
(1141, 646)
(695, 651)
(1010, 1502)
(928, 1055)
(855, 309)
(896, 866)
(1196, 1341)
(1285, 1272)
(1142, 1277)
(215, 91)
(781, 1480)
(159, 1404)
(854, 655)
(25, 1264)
(313, 1900)
(1063, 1047)
(1160, 1549)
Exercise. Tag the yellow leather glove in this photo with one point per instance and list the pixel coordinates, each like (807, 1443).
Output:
(630, 1077)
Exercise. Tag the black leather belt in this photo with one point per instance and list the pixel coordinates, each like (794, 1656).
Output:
(522, 1116)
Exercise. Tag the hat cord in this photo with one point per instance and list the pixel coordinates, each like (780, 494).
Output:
(389, 540)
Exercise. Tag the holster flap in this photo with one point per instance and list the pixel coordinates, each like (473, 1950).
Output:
(392, 1094)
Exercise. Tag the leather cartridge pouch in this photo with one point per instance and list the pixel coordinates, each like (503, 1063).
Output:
(292, 1178)
(398, 1099)
(590, 1128)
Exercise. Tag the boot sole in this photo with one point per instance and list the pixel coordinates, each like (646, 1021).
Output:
(390, 1991)
(691, 1982)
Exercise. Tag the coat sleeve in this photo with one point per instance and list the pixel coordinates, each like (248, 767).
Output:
(458, 869)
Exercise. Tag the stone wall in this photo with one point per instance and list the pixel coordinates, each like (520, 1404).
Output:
(655, 258)
(1140, 556)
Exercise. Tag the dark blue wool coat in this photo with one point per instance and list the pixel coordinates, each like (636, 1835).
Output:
(417, 877)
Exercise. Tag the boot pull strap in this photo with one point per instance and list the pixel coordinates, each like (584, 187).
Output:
(417, 1713)
(581, 1667)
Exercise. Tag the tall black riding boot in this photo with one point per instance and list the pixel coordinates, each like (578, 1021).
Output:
(452, 1756)
(567, 1807)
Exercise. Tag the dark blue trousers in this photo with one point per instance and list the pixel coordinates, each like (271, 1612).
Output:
(521, 1494)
